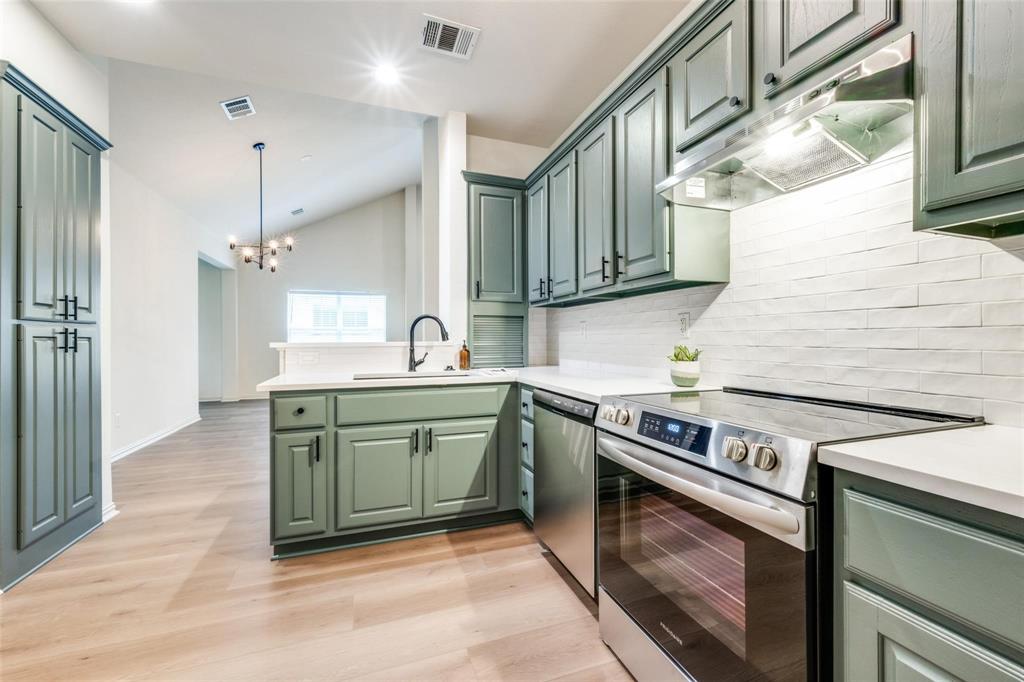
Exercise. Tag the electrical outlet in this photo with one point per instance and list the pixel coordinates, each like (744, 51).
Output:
(684, 325)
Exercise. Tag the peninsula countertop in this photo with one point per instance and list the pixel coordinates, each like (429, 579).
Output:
(580, 383)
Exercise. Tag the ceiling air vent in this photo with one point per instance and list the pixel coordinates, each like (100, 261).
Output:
(240, 107)
(298, 211)
(449, 37)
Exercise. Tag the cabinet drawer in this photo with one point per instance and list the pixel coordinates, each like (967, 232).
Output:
(526, 402)
(526, 445)
(421, 404)
(300, 412)
(965, 573)
(526, 492)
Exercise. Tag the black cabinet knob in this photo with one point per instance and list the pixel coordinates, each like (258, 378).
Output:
(734, 101)
(524, 493)
(301, 410)
(769, 78)
(524, 444)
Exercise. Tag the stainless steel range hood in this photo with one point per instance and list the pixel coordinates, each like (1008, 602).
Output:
(843, 123)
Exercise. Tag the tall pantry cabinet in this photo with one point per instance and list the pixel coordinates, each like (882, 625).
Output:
(50, 480)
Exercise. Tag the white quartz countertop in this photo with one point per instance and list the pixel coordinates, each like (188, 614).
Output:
(979, 465)
(582, 384)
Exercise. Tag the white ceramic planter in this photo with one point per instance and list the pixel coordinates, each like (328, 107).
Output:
(685, 374)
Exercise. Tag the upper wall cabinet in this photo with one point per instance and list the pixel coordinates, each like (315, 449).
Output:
(537, 240)
(59, 223)
(496, 220)
(710, 76)
(970, 140)
(641, 162)
(801, 36)
(562, 226)
(595, 174)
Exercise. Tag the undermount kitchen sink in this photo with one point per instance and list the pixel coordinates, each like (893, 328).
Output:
(409, 375)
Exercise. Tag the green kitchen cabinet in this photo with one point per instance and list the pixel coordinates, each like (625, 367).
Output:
(460, 466)
(378, 475)
(41, 198)
(885, 642)
(710, 77)
(82, 444)
(41, 465)
(538, 273)
(799, 37)
(595, 175)
(81, 228)
(642, 217)
(300, 484)
(496, 236)
(969, 133)
(561, 194)
(526, 494)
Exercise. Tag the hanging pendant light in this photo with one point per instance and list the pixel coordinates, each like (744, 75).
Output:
(261, 253)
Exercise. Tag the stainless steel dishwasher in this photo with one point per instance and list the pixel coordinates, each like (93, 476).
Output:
(563, 515)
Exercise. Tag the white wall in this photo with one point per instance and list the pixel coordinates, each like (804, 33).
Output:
(834, 294)
(154, 330)
(210, 331)
(498, 157)
(358, 250)
(80, 83)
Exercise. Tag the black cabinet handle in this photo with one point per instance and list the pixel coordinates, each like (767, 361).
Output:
(416, 440)
(301, 410)
(769, 78)
(524, 493)
(478, 288)
(619, 263)
(734, 101)
(64, 333)
(74, 305)
(74, 339)
(65, 300)
(541, 287)
(604, 274)
(524, 444)
(525, 405)
(316, 448)
(412, 442)
(430, 440)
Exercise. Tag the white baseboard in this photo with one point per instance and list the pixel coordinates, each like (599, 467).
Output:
(255, 396)
(149, 440)
(110, 511)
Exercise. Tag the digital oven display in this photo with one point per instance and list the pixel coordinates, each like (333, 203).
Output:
(675, 432)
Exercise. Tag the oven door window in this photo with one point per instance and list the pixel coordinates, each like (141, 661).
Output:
(724, 600)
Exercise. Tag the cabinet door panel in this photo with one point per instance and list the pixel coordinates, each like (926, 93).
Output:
(378, 475)
(972, 138)
(39, 223)
(496, 220)
(81, 228)
(537, 240)
(300, 484)
(460, 467)
(82, 425)
(41, 469)
(641, 162)
(562, 226)
(801, 36)
(884, 642)
(708, 73)
(595, 186)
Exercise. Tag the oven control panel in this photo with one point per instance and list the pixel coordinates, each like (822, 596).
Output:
(675, 432)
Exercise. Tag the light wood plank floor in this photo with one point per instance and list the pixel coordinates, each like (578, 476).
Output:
(179, 586)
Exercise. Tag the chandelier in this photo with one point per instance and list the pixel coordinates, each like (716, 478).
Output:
(258, 253)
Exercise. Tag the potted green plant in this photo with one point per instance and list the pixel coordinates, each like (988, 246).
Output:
(684, 366)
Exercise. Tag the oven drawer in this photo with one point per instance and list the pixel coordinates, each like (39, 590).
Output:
(963, 572)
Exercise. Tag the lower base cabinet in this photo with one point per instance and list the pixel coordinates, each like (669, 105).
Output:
(300, 484)
(378, 475)
(526, 503)
(460, 467)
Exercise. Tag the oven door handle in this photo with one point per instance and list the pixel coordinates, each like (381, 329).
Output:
(742, 510)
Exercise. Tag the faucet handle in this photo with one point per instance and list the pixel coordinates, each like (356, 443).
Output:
(422, 360)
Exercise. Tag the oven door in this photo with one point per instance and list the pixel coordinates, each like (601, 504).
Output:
(719, 574)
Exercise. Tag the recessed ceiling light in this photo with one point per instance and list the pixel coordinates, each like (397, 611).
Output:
(305, 157)
(386, 74)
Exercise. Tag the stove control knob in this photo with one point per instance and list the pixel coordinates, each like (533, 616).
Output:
(734, 448)
(608, 413)
(764, 457)
(622, 416)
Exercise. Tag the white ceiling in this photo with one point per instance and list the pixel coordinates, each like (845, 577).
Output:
(538, 64)
(168, 128)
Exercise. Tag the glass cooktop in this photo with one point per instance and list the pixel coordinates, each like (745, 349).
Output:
(814, 419)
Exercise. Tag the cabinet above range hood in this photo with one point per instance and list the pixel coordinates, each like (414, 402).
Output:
(841, 124)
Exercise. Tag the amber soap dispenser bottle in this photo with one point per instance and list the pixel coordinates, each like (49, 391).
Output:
(464, 356)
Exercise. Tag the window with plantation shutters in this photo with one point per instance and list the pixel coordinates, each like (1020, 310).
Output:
(317, 316)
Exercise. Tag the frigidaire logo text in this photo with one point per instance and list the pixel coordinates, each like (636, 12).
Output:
(670, 633)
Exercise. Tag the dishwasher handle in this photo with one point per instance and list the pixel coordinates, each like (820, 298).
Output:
(780, 523)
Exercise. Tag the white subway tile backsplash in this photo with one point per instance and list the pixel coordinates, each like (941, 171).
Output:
(833, 294)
